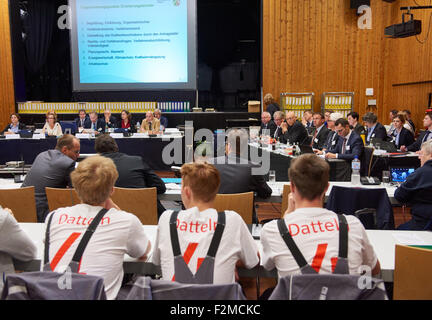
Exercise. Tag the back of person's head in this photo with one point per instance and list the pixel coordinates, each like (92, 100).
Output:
(67, 140)
(268, 98)
(426, 148)
(310, 175)
(94, 179)
(105, 143)
(203, 179)
(335, 116)
(370, 117)
(237, 140)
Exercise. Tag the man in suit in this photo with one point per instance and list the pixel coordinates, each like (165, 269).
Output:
(307, 121)
(278, 117)
(416, 190)
(332, 138)
(110, 120)
(375, 129)
(424, 136)
(293, 131)
(133, 171)
(83, 121)
(408, 119)
(150, 124)
(235, 170)
(97, 125)
(268, 127)
(163, 120)
(52, 169)
(353, 118)
(321, 132)
(350, 144)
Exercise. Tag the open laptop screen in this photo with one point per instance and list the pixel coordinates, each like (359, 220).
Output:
(400, 174)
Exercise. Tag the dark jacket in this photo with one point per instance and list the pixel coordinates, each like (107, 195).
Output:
(21, 126)
(417, 191)
(320, 139)
(359, 129)
(87, 123)
(331, 141)
(270, 126)
(379, 132)
(406, 138)
(272, 108)
(164, 121)
(100, 125)
(354, 147)
(112, 123)
(295, 134)
(417, 144)
(135, 173)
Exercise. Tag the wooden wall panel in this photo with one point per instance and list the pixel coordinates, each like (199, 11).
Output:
(316, 45)
(7, 96)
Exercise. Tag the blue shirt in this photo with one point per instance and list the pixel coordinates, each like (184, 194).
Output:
(370, 130)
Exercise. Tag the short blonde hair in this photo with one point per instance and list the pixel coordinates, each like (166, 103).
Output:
(94, 179)
(203, 179)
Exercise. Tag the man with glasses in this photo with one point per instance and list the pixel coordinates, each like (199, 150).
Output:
(52, 168)
(293, 131)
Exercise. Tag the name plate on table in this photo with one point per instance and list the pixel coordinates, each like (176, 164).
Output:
(38, 136)
(116, 135)
(83, 135)
(140, 135)
(12, 136)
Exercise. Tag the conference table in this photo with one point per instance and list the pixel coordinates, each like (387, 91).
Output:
(149, 148)
(383, 242)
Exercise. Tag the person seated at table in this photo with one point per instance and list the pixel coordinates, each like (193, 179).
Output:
(353, 119)
(407, 115)
(83, 121)
(307, 120)
(150, 124)
(133, 171)
(97, 125)
(350, 144)
(293, 131)
(327, 114)
(195, 228)
(315, 230)
(401, 136)
(118, 233)
(52, 127)
(14, 244)
(270, 105)
(392, 114)
(126, 121)
(163, 120)
(423, 137)
(52, 168)
(278, 117)
(333, 138)
(268, 127)
(109, 119)
(320, 132)
(15, 126)
(416, 191)
(375, 129)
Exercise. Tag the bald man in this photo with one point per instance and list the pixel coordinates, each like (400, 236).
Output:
(267, 124)
(293, 131)
(150, 124)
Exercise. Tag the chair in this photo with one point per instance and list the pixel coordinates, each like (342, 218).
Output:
(142, 202)
(21, 201)
(61, 197)
(412, 280)
(285, 194)
(242, 203)
(343, 200)
(367, 216)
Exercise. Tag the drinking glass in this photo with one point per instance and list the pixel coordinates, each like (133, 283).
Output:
(272, 176)
(386, 178)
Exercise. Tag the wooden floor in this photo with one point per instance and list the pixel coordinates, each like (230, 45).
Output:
(265, 211)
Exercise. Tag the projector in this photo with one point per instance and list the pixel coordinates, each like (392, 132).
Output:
(404, 29)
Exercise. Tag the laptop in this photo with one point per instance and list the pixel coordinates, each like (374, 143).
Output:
(400, 174)
(25, 134)
(384, 145)
(304, 148)
(69, 127)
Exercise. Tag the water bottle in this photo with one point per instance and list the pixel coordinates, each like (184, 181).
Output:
(355, 175)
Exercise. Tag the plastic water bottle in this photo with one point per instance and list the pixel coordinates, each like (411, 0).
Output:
(355, 175)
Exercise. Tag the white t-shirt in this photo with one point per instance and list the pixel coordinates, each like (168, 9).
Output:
(118, 233)
(316, 233)
(195, 232)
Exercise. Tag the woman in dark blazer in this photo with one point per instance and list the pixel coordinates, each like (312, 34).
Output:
(401, 135)
(14, 126)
